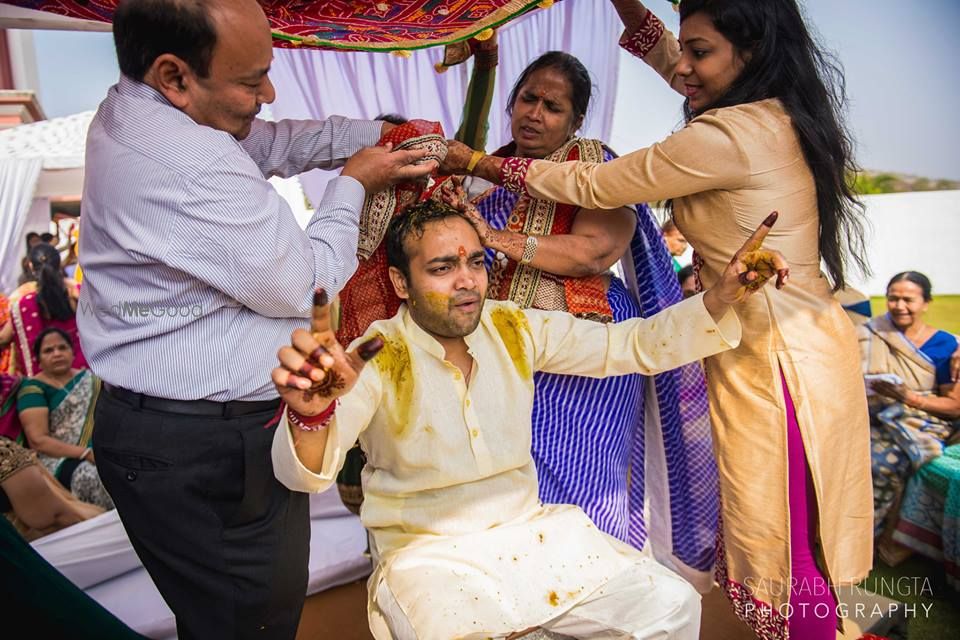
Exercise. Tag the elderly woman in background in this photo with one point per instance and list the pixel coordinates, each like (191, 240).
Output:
(912, 415)
(56, 410)
(559, 257)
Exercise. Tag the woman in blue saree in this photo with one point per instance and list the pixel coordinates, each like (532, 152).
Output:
(914, 415)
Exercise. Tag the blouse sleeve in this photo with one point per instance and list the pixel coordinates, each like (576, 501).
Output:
(30, 396)
(704, 155)
(945, 345)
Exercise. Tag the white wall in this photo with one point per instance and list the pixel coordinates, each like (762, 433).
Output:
(917, 231)
(37, 220)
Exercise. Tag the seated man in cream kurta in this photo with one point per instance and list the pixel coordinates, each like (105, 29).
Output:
(463, 548)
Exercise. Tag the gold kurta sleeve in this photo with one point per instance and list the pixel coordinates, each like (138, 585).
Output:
(352, 416)
(705, 155)
(679, 334)
(662, 58)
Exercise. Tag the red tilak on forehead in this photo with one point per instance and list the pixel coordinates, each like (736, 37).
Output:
(462, 252)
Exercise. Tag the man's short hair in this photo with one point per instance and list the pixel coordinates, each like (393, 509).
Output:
(392, 118)
(413, 221)
(143, 30)
(685, 273)
(668, 226)
(46, 237)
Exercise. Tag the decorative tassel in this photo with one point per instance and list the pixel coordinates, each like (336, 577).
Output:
(486, 34)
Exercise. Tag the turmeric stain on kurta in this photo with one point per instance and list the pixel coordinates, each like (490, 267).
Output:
(553, 599)
(393, 361)
(511, 324)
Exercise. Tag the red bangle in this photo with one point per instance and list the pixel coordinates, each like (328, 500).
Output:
(312, 423)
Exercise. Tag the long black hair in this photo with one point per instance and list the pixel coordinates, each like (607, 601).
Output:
(51, 290)
(782, 60)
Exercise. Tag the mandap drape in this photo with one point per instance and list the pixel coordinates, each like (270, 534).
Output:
(18, 181)
(315, 84)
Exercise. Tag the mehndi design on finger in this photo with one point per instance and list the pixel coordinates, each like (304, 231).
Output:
(331, 383)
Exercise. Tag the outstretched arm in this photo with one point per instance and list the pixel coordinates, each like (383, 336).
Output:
(706, 154)
(696, 328)
(645, 37)
(595, 242)
(289, 147)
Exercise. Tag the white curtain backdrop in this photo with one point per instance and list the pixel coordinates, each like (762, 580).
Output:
(316, 84)
(28, 153)
(18, 180)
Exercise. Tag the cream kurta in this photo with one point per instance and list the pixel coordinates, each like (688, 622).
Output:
(726, 171)
(450, 487)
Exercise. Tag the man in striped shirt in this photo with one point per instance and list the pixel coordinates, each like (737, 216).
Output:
(195, 271)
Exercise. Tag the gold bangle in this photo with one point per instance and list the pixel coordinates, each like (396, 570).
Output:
(474, 160)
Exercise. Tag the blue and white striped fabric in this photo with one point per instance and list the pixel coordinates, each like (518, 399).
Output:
(682, 442)
(195, 270)
(590, 441)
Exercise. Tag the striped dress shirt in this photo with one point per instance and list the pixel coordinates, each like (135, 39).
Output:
(195, 270)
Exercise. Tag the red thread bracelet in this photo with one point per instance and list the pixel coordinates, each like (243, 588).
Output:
(312, 423)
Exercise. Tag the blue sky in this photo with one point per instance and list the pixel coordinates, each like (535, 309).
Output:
(898, 56)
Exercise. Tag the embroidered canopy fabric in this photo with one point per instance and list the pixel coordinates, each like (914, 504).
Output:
(362, 25)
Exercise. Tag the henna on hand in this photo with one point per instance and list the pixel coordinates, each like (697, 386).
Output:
(509, 242)
(331, 383)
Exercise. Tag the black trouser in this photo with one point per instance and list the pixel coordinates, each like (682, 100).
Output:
(226, 544)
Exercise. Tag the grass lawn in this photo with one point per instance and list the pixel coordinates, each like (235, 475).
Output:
(944, 312)
(920, 582)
